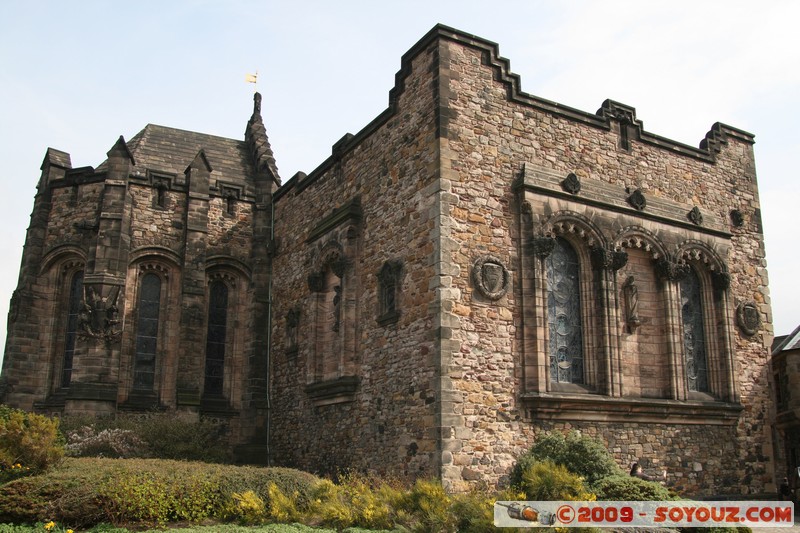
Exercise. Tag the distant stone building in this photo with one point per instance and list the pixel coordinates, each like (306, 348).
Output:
(786, 366)
(475, 266)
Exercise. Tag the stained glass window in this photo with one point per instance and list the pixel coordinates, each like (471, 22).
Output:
(215, 338)
(147, 332)
(694, 339)
(564, 314)
(75, 301)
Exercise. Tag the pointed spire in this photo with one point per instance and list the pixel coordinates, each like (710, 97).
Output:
(256, 137)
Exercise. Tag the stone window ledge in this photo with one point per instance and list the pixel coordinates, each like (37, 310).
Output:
(596, 408)
(333, 391)
(388, 318)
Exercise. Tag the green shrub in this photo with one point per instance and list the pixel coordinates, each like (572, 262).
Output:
(29, 443)
(581, 455)
(429, 505)
(246, 508)
(300, 485)
(623, 487)
(355, 502)
(152, 435)
(87, 491)
(547, 481)
(474, 511)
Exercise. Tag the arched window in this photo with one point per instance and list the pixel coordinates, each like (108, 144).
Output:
(694, 338)
(216, 338)
(564, 314)
(147, 332)
(71, 333)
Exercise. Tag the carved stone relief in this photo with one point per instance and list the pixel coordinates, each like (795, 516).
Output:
(571, 184)
(696, 216)
(748, 318)
(669, 270)
(608, 259)
(637, 200)
(490, 277)
(98, 317)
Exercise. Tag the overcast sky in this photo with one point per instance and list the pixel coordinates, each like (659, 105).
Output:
(75, 75)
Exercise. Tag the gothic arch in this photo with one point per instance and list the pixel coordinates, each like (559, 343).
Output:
(576, 228)
(154, 253)
(228, 265)
(148, 347)
(637, 237)
(699, 252)
(224, 357)
(64, 255)
(704, 268)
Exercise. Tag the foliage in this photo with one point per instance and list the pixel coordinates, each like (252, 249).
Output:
(474, 511)
(581, 455)
(429, 505)
(356, 501)
(116, 443)
(628, 488)
(282, 508)
(246, 508)
(152, 435)
(29, 443)
(547, 481)
(87, 491)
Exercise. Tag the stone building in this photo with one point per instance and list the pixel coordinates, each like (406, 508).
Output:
(786, 366)
(475, 266)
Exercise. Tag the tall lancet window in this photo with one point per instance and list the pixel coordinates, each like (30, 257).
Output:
(144, 369)
(694, 338)
(216, 338)
(71, 334)
(564, 314)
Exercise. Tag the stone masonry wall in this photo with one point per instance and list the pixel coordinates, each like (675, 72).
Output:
(490, 138)
(388, 425)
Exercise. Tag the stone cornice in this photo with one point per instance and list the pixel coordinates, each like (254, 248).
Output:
(613, 198)
(596, 408)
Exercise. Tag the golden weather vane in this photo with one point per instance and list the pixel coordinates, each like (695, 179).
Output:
(252, 78)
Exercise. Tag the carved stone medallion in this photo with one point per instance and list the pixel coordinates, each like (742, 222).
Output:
(737, 218)
(637, 199)
(490, 277)
(748, 318)
(571, 184)
(696, 216)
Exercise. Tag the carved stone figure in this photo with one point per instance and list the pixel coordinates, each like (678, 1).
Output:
(337, 306)
(630, 293)
(98, 316)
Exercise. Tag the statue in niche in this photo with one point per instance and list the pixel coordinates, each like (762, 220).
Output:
(292, 323)
(337, 305)
(630, 293)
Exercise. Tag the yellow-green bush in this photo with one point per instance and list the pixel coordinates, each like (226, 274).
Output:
(87, 491)
(29, 443)
(247, 508)
(547, 481)
(580, 454)
(356, 501)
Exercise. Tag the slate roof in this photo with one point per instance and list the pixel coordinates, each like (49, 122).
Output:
(787, 342)
(170, 150)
